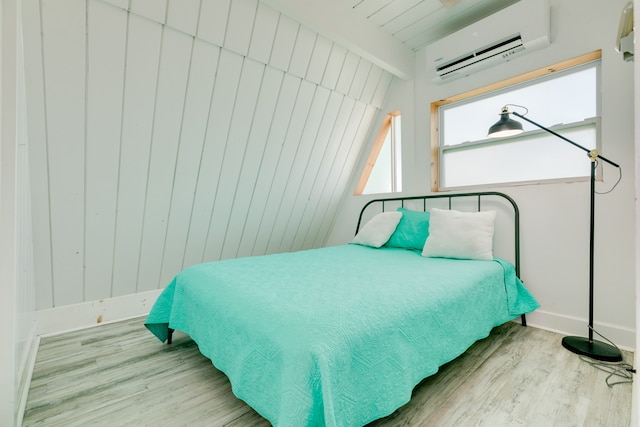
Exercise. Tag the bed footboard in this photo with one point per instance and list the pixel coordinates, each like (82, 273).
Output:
(428, 201)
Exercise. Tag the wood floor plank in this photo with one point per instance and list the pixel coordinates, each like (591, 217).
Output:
(120, 374)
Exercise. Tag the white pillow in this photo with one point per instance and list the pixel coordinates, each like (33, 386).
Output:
(462, 235)
(378, 229)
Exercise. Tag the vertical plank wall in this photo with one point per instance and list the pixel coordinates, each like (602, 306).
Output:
(16, 260)
(167, 133)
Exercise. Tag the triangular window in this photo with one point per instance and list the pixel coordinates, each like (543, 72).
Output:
(383, 170)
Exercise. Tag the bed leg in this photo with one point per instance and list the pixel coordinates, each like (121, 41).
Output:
(170, 336)
(524, 320)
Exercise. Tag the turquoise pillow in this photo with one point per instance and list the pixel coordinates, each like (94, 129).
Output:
(412, 230)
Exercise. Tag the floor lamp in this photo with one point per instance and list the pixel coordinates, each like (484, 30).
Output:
(581, 345)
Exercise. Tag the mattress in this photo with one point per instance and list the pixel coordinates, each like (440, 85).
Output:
(337, 336)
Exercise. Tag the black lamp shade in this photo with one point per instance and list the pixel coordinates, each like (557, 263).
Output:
(505, 127)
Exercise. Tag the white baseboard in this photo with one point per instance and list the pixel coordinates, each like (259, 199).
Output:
(67, 318)
(625, 338)
(26, 374)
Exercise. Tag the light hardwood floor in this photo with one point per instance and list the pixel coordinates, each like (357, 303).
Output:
(120, 375)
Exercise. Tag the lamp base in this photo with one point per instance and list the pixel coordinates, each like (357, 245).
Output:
(592, 348)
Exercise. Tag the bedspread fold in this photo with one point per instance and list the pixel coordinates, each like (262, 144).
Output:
(336, 336)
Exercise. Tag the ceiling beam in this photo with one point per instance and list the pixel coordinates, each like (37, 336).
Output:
(337, 21)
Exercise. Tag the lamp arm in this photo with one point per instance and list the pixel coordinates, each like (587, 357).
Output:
(564, 138)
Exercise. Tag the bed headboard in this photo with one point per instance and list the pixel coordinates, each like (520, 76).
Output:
(459, 201)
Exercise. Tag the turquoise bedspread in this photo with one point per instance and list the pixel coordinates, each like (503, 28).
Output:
(336, 336)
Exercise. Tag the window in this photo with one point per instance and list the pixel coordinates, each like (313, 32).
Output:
(563, 97)
(383, 170)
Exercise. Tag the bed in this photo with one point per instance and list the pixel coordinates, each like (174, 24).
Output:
(340, 336)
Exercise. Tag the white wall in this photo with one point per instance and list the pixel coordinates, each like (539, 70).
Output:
(8, 310)
(635, 405)
(168, 133)
(26, 324)
(16, 276)
(555, 217)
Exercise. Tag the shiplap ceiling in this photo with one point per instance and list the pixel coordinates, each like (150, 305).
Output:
(417, 23)
(165, 133)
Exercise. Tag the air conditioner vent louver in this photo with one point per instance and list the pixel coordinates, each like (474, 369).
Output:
(499, 48)
(520, 28)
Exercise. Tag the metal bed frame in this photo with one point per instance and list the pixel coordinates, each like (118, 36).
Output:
(478, 195)
(450, 197)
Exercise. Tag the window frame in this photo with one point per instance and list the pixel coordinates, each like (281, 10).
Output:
(385, 129)
(498, 86)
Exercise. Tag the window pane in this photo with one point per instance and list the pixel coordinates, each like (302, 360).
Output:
(380, 178)
(564, 98)
(397, 145)
(529, 158)
(386, 175)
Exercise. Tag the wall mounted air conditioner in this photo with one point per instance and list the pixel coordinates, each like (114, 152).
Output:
(507, 34)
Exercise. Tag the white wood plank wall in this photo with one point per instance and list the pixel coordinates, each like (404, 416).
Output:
(168, 133)
(16, 264)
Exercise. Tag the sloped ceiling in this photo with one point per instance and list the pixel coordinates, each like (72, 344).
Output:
(388, 32)
(416, 23)
(167, 133)
(164, 133)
